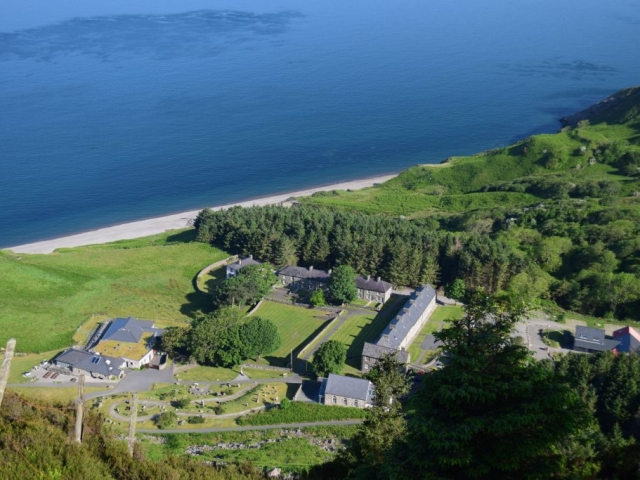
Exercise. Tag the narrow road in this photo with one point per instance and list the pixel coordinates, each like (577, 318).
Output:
(335, 423)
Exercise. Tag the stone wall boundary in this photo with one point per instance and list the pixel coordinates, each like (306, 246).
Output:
(208, 268)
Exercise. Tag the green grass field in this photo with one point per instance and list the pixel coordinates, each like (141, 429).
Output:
(297, 326)
(365, 328)
(207, 374)
(46, 298)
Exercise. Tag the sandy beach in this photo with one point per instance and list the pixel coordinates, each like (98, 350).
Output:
(152, 226)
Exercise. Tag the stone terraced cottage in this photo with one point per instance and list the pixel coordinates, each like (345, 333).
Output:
(402, 329)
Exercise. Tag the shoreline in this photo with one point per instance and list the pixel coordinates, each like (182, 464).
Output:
(153, 226)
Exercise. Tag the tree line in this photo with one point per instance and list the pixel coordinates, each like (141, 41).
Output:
(585, 259)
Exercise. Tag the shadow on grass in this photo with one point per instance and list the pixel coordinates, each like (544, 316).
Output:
(371, 331)
(283, 362)
(196, 303)
(185, 236)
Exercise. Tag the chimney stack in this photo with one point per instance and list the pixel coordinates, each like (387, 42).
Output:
(378, 280)
(330, 271)
(311, 268)
(368, 277)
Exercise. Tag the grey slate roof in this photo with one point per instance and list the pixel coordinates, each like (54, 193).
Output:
(394, 333)
(593, 339)
(377, 351)
(92, 363)
(241, 263)
(372, 284)
(349, 387)
(72, 356)
(129, 330)
(301, 272)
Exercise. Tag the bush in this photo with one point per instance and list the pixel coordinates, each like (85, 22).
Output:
(285, 404)
(166, 420)
(196, 419)
(181, 403)
(218, 409)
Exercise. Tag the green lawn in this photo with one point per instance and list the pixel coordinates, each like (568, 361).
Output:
(365, 328)
(297, 326)
(207, 374)
(45, 298)
(210, 280)
(441, 314)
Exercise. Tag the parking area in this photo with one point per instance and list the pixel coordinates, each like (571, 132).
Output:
(47, 374)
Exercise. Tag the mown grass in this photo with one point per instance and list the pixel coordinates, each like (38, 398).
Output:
(296, 325)
(207, 374)
(358, 329)
(22, 364)
(47, 297)
(302, 412)
(52, 394)
(293, 451)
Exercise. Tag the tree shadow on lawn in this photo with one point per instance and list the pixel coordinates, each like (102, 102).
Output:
(283, 362)
(186, 236)
(196, 303)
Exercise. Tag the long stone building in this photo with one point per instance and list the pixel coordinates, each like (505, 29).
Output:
(402, 329)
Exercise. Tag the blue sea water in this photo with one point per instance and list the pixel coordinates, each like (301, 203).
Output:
(118, 110)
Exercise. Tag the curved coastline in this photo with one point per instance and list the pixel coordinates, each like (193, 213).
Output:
(152, 226)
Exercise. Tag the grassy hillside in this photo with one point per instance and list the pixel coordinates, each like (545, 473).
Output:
(464, 184)
(45, 298)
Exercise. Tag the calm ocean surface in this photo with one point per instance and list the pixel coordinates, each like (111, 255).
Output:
(114, 110)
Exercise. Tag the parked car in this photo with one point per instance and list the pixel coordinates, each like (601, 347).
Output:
(26, 374)
(544, 348)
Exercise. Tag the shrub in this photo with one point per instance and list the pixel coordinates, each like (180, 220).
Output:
(285, 404)
(196, 419)
(181, 403)
(166, 420)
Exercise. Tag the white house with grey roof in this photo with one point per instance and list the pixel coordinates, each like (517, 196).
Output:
(131, 339)
(402, 329)
(376, 290)
(81, 362)
(346, 391)
(235, 267)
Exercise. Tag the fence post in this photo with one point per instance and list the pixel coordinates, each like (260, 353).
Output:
(79, 409)
(6, 365)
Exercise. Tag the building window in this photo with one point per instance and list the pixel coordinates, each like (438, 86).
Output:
(355, 403)
(335, 400)
(344, 402)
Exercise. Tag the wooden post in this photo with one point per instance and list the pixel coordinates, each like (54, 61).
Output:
(132, 422)
(6, 365)
(79, 409)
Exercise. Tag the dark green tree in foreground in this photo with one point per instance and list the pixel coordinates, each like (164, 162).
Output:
(492, 412)
(329, 358)
(342, 284)
(259, 336)
(385, 425)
